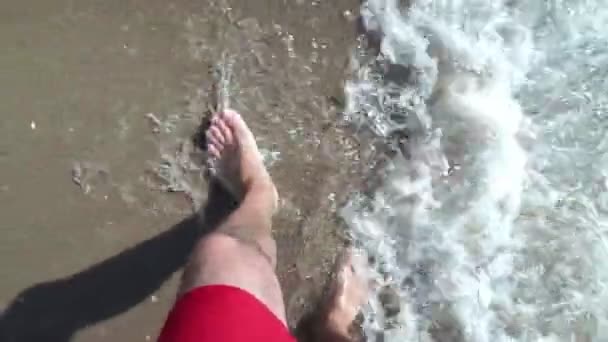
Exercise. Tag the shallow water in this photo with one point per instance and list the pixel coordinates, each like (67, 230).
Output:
(489, 225)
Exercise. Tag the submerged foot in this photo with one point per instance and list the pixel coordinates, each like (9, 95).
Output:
(347, 294)
(235, 157)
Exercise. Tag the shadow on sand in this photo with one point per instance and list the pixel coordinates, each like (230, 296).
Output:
(56, 310)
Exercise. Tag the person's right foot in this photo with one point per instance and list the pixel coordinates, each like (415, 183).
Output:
(235, 157)
(347, 294)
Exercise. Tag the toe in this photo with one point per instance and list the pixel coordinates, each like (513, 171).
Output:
(226, 114)
(226, 132)
(215, 144)
(213, 151)
(216, 134)
(239, 128)
(213, 140)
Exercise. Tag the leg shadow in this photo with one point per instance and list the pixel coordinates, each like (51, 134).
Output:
(55, 310)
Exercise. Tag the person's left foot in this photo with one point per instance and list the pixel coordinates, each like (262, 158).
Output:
(236, 160)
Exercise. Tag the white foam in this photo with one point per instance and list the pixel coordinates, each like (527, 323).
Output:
(492, 223)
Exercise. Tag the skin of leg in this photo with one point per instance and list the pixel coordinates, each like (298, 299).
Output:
(252, 222)
(241, 253)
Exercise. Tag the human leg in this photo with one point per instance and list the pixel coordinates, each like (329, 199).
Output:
(242, 252)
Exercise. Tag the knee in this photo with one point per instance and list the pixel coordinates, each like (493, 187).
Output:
(222, 259)
(223, 245)
(214, 245)
(223, 249)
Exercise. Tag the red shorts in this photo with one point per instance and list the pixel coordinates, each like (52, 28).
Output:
(222, 314)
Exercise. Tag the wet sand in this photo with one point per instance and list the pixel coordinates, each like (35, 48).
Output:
(91, 237)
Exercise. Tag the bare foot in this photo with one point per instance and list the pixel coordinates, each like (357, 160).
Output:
(347, 294)
(235, 158)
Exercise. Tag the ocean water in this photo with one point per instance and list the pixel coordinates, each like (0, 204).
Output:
(490, 221)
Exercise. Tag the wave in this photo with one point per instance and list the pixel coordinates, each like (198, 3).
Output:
(490, 221)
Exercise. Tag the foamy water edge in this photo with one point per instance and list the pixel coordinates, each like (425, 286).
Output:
(489, 224)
